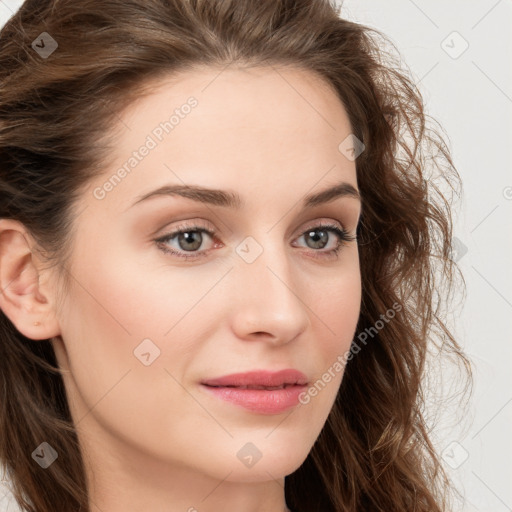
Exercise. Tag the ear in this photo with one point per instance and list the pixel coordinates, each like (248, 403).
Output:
(24, 298)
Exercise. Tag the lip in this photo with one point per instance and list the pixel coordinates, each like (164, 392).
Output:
(265, 378)
(233, 388)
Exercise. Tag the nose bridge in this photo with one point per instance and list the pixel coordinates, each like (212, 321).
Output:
(265, 263)
(268, 287)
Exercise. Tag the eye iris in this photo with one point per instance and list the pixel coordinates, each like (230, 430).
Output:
(188, 237)
(316, 239)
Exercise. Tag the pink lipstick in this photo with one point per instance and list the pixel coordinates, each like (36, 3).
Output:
(260, 391)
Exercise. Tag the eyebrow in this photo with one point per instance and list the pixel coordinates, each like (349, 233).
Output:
(229, 199)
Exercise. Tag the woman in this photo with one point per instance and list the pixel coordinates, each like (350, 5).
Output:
(223, 247)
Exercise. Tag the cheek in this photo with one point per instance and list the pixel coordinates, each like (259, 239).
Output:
(337, 307)
(334, 321)
(113, 306)
(118, 303)
(335, 316)
(130, 294)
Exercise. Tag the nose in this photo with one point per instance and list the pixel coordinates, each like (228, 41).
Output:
(269, 300)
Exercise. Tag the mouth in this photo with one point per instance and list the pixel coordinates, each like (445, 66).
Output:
(261, 392)
(260, 379)
(258, 399)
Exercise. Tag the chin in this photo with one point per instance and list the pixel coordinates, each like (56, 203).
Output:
(251, 464)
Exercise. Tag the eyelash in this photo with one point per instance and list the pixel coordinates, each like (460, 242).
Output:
(343, 238)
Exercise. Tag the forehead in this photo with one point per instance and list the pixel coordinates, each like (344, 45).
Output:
(230, 85)
(267, 101)
(249, 128)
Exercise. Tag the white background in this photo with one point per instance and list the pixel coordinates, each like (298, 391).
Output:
(471, 96)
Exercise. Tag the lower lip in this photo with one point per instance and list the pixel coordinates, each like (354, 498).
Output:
(263, 401)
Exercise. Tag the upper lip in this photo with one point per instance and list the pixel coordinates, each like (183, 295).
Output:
(262, 378)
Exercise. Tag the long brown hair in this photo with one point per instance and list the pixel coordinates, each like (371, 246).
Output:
(374, 452)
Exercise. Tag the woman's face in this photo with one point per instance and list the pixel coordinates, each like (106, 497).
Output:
(142, 326)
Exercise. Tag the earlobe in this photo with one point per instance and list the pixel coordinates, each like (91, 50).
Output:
(23, 299)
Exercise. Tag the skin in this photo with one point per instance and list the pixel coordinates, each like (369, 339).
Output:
(152, 438)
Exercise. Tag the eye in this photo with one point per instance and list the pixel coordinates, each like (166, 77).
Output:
(189, 239)
(318, 238)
